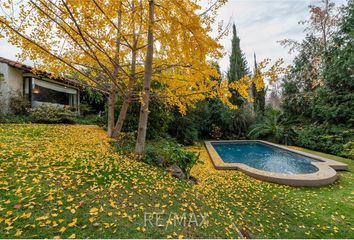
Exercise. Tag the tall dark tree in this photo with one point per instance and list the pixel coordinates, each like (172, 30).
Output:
(238, 66)
(318, 92)
(258, 96)
(306, 76)
(334, 102)
(303, 80)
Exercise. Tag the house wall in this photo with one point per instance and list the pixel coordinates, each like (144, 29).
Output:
(12, 83)
(3, 88)
(15, 80)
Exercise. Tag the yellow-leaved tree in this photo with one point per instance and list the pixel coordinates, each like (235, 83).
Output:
(122, 46)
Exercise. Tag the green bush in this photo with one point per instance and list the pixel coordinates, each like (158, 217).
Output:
(151, 156)
(183, 129)
(207, 117)
(18, 104)
(90, 120)
(11, 118)
(235, 124)
(348, 150)
(50, 114)
(85, 109)
(125, 142)
(91, 102)
(330, 139)
(268, 127)
(168, 153)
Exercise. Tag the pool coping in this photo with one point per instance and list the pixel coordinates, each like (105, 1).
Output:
(326, 173)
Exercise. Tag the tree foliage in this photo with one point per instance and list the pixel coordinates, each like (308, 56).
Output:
(258, 94)
(269, 127)
(96, 41)
(318, 92)
(124, 47)
(159, 118)
(210, 118)
(335, 102)
(238, 65)
(306, 73)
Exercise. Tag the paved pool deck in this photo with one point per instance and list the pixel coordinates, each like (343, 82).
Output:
(326, 173)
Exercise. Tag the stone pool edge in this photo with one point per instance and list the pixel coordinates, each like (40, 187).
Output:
(326, 173)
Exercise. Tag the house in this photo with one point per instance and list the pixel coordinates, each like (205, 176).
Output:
(17, 78)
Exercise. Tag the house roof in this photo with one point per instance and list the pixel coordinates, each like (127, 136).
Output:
(15, 64)
(28, 69)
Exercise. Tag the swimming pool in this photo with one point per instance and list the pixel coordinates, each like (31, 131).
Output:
(273, 163)
(265, 157)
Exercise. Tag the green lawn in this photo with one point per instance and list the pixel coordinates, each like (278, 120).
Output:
(66, 181)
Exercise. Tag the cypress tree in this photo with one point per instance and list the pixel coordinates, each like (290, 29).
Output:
(258, 96)
(238, 66)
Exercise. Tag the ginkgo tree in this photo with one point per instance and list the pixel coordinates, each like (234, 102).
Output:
(122, 47)
(80, 38)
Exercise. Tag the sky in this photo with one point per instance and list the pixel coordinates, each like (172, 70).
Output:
(260, 24)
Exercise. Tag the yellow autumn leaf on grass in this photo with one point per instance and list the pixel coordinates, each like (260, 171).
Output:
(8, 221)
(62, 229)
(9, 228)
(72, 236)
(94, 211)
(141, 229)
(42, 218)
(107, 225)
(50, 198)
(112, 203)
(73, 223)
(18, 233)
(26, 215)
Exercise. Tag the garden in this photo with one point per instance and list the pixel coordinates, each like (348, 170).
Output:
(56, 183)
(130, 160)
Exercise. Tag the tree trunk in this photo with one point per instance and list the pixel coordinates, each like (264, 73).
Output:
(111, 104)
(123, 110)
(128, 96)
(113, 94)
(144, 109)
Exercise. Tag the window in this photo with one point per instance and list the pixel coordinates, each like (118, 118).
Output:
(51, 93)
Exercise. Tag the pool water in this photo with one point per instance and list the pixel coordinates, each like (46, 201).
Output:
(265, 157)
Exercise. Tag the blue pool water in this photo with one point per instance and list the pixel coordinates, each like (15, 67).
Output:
(265, 157)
